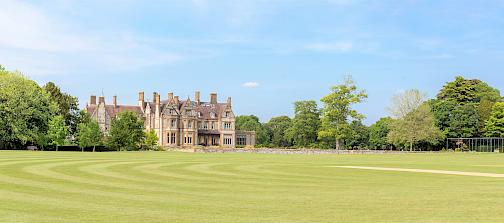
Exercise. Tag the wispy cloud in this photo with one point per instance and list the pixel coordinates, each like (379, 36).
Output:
(250, 85)
(338, 47)
(38, 43)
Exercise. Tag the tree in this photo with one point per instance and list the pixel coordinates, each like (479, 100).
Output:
(57, 132)
(251, 123)
(151, 140)
(406, 102)
(378, 134)
(278, 126)
(359, 136)
(494, 127)
(463, 105)
(338, 111)
(25, 111)
(126, 132)
(417, 126)
(305, 125)
(89, 134)
(68, 106)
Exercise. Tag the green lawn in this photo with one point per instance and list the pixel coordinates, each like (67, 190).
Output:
(185, 187)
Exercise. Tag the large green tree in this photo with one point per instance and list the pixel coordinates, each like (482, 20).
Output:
(416, 127)
(359, 136)
(57, 132)
(252, 123)
(68, 106)
(463, 106)
(25, 111)
(305, 124)
(378, 133)
(494, 127)
(89, 134)
(278, 126)
(126, 132)
(338, 111)
(151, 140)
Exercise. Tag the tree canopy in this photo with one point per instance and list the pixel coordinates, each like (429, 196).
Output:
(305, 125)
(57, 132)
(338, 111)
(378, 133)
(417, 126)
(251, 123)
(277, 127)
(67, 105)
(126, 132)
(89, 134)
(494, 127)
(25, 111)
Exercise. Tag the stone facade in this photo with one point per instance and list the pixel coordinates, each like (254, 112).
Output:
(186, 123)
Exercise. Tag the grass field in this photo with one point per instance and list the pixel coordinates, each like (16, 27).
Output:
(185, 187)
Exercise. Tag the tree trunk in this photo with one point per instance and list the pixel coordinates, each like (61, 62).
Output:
(82, 149)
(411, 146)
(337, 144)
(94, 149)
(56, 147)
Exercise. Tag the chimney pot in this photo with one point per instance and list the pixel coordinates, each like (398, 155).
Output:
(101, 99)
(114, 100)
(92, 100)
(197, 97)
(176, 98)
(158, 99)
(170, 95)
(213, 98)
(141, 96)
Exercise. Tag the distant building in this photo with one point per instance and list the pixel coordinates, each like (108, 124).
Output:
(178, 123)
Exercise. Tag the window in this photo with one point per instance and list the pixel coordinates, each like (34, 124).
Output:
(241, 140)
(213, 125)
(189, 125)
(227, 125)
(174, 123)
(188, 139)
(205, 125)
(200, 125)
(228, 140)
(227, 114)
(173, 138)
(215, 141)
(212, 115)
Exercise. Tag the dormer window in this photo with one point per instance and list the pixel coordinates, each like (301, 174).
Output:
(212, 115)
(227, 114)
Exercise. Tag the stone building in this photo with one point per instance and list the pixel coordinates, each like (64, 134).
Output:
(179, 123)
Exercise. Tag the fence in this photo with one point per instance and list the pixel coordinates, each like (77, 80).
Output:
(476, 144)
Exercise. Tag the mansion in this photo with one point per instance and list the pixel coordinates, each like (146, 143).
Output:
(177, 123)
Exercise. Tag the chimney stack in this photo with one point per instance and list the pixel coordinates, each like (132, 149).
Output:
(170, 96)
(158, 99)
(141, 99)
(114, 101)
(92, 100)
(176, 98)
(154, 95)
(229, 102)
(213, 98)
(197, 97)
(101, 100)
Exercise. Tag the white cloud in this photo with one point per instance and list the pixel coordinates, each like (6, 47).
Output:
(38, 43)
(250, 85)
(338, 47)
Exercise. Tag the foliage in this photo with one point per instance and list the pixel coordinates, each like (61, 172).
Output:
(462, 107)
(58, 131)
(25, 111)
(359, 136)
(251, 123)
(68, 105)
(406, 102)
(417, 126)
(151, 140)
(278, 127)
(89, 134)
(126, 132)
(305, 125)
(494, 127)
(338, 110)
(378, 134)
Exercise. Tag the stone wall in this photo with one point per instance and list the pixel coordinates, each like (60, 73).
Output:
(296, 151)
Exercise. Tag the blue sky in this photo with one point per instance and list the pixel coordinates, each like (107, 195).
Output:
(266, 54)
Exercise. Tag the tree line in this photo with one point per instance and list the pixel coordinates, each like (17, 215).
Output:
(463, 108)
(48, 118)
